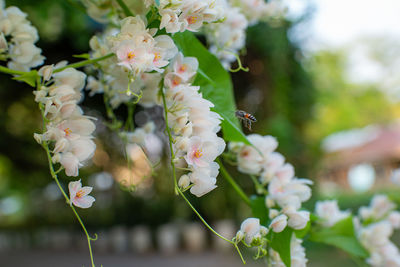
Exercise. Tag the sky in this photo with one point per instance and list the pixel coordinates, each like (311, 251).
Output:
(337, 24)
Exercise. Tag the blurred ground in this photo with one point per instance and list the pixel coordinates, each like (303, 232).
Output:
(68, 259)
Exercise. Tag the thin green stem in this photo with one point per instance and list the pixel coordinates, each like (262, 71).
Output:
(178, 190)
(125, 8)
(10, 71)
(84, 62)
(230, 180)
(67, 199)
(259, 187)
(54, 175)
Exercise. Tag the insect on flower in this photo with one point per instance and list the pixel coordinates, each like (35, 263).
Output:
(247, 118)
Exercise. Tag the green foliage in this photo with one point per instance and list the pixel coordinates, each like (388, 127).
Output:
(258, 209)
(280, 242)
(341, 104)
(215, 84)
(341, 235)
(29, 78)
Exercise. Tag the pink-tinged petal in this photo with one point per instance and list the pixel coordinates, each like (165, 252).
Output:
(86, 190)
(200, 163)
(74, 187)
(70, 163)
(84, 202)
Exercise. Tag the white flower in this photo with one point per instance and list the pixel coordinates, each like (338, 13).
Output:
(249, 160)
(379, 208)
(329, 212)
(297, 219)
(204, 179)
(79, 196)
(202, 152)
(251, 229)
(376, 235)
(72, 77)
(297, 254)
(279, 223)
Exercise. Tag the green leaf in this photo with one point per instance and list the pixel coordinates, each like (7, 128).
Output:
(341, 235)
(303, 232)
(258, 209)
(215, 84)
(29, 78)
(85, 56)
(280, 242)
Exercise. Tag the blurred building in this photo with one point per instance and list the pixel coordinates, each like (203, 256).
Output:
(360, 159)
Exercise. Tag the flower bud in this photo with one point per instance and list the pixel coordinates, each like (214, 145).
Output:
(184, 181)
(298, 220)
(273, 213)
(264, 230)
(269, 202)
(279, 223)
(239, 236)
(38, 138)
(182, 143)
(3, 42)
(187, 130)
(46, 72)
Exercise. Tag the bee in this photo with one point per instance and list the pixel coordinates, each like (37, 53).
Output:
(247, 118)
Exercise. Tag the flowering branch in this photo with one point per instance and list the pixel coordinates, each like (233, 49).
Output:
(177, 189)
(67, 199)
(84, 62)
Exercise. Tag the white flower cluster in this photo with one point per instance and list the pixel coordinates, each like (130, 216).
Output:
(329, 213)
(137, 52)
(193, 125)
(181, 15)
(285, 191)
(297, 255)
(22, 36)
(68, 128)
(146, 139)
(229, 36)
(375, 227)
(256, 10)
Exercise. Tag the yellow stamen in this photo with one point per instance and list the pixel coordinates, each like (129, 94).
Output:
(80, 193)
(131, 55)
(183, 68)
(67, 131)
(157, 56)
(192, 19)
(176, 81)
(198, 153)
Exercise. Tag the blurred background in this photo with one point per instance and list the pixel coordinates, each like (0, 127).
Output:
(324, 81)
